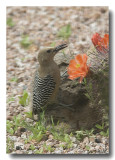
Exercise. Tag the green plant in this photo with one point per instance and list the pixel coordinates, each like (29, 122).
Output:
(59, 134)
(65, 32)
(89, 132)
(11, 99)
(103, 130)
(14, 79)
(13, 125)
(25, 42)
(32, 147)
(79, 135)
(68, 141)
(83, 133)
(10, 22)
(24, 100)
(9, 145)
(40, 151)
(87, 148)
(17, 122)
(48, 147)
(63, 146)
(88, 87)
(9, 127)
(28, 114)
(38, 130)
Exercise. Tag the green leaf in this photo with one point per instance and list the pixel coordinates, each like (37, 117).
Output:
(87, 147)
(25, 42)
(24, 100)
(85, 80)
(79, 135)
(32, 147)
(40, 151)
(90, 86)
(14, 79)
(10, 22)
(65, 32)
(11, 131)
(28, 114)
(99, 126)
(87, 95)
(102, 133)
(10, 99)
(66, 138)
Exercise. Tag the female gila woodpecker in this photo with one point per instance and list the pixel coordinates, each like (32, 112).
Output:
(47, 78)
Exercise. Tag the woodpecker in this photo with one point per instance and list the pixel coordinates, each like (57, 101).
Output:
(47, 78)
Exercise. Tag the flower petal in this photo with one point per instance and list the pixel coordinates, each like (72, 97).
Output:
(79, 59)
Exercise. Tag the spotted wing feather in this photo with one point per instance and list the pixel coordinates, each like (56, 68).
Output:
(42, 90)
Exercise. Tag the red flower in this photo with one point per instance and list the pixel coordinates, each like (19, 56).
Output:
(101, 44)
(78, 67)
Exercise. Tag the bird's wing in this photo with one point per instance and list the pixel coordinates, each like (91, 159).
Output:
(42, 90)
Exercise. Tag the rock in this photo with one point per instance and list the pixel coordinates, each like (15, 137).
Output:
(23, 135)
(92, 148)
(71, 152)
(13, 138)
(97, 147)
(92, 139)
(73, 139)
(74, 145)
(18, 146)
(29, 120)
(47, 133)
(96, 15)
(83, 145)
(50, 136)
(20, 79)
(86, 152)
(19, 152)
(27, 146)
(98, 140)
(30, 152)
(59, 150)
(86, 140)
(50, 143)
(10, 118)
(22, 129)
(80, 151)
(19, 131)
(103, 10)
(105, 141)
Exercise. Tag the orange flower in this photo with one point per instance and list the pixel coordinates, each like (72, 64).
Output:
(78, 67)
(101, 44)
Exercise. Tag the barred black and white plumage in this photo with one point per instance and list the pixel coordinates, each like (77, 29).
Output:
(47, 79)
(42, 90)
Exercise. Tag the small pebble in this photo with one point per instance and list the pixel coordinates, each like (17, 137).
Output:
(97, 140)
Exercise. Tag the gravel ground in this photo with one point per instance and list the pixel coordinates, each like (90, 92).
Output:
(42, 24)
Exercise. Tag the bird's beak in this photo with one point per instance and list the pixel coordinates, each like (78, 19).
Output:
(60, 47)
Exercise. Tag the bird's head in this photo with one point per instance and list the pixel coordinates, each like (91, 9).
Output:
(47, 54)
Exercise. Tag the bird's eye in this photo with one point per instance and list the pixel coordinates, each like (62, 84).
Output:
(48, 51)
